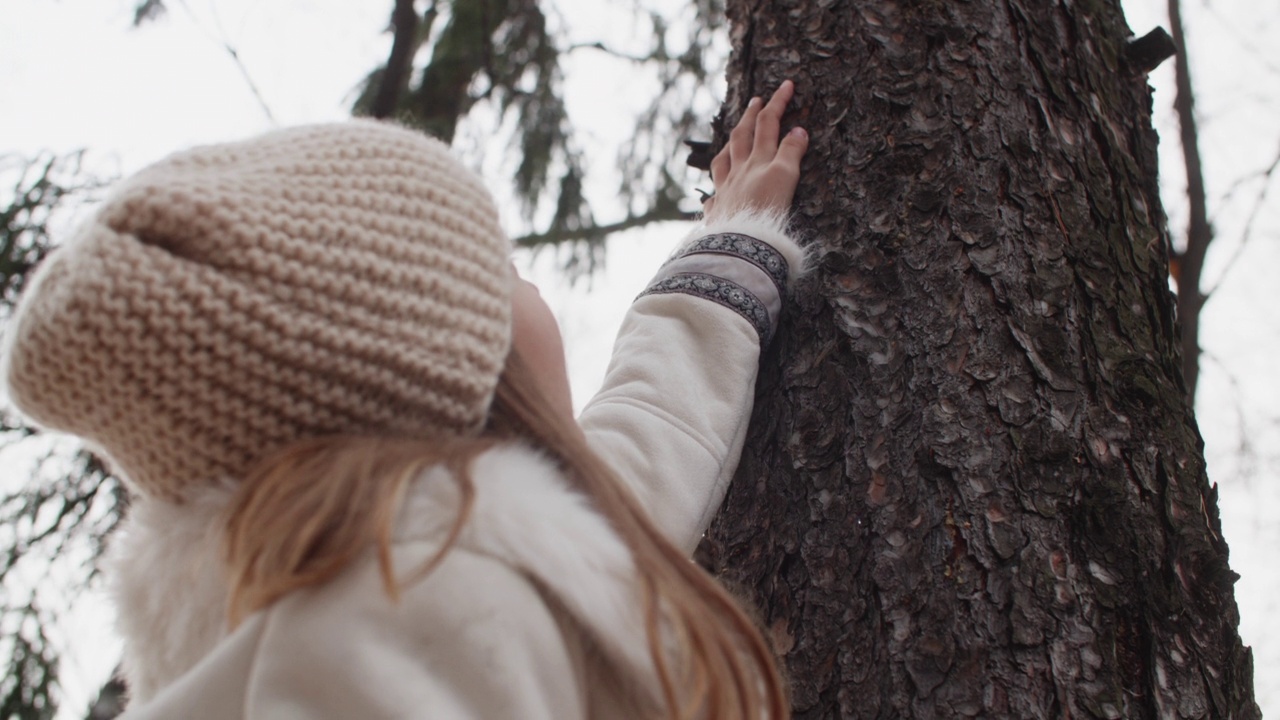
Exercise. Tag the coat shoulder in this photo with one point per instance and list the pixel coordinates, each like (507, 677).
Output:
(474, 639)
(528, 516)
(535, 570)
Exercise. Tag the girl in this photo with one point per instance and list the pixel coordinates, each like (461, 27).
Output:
(358, 487)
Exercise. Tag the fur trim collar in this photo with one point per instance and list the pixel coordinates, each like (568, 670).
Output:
(526, 515)
(164, 570)
(171, 593)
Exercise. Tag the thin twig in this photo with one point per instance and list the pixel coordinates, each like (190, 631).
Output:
(221, 40)
(1246, 452)
(1247, 232)
(253, 87)
(608, 51)
(1243, 40)
(1236, 186)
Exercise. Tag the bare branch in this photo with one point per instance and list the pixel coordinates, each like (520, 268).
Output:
(1246, 454)
(219, 38)
(1258, 203)
(1244, 41)
(600, 46)
(248, 79)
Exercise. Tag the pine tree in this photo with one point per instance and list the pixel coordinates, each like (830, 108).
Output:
(973, 484)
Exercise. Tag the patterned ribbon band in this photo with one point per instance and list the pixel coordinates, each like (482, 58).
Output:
(739, 272)
(757, 252)
(726, 292)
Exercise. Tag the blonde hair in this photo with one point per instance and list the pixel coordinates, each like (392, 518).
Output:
(307, 512)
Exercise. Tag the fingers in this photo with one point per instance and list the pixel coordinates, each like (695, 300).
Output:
(720, 165)
(792, 149)
(756, 168)
(768, 119)
(740, 140)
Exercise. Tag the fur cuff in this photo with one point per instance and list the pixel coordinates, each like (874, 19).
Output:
(771, 228)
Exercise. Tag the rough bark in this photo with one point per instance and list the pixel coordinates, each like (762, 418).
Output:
(973, 486)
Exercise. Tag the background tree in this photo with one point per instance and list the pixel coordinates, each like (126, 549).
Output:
(71, 512)
(1191, 246)
(1187, 263)
(974, 487)
(451, 60)
(504, 53)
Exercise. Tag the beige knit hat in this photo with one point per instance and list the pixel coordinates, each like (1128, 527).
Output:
(232, 299)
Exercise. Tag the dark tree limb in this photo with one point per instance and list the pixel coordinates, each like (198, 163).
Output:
(404, 22)
(461, 52)
(1199, 231)
(661, 213)
(1145, 54)
(146, 11)
(700, 154)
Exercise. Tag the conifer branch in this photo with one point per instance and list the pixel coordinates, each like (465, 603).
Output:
(662, 213)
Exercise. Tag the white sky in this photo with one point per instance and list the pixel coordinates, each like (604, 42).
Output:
(74, 75)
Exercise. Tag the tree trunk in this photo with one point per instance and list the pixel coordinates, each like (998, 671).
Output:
(973, 485)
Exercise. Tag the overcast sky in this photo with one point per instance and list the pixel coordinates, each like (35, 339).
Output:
(73, 74)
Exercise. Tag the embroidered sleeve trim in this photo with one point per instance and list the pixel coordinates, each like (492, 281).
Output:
(718, 290)
(757, 252)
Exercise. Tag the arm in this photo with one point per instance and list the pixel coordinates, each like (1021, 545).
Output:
(673, 412)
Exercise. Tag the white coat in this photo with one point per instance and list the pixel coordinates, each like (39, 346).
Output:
(535, 613)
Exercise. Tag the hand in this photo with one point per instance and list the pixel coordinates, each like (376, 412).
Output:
(753, 170)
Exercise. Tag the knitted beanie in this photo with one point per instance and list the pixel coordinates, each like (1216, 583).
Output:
(347, 279)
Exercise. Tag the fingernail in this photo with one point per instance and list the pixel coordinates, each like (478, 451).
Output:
(754, 102)
(798, 132)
